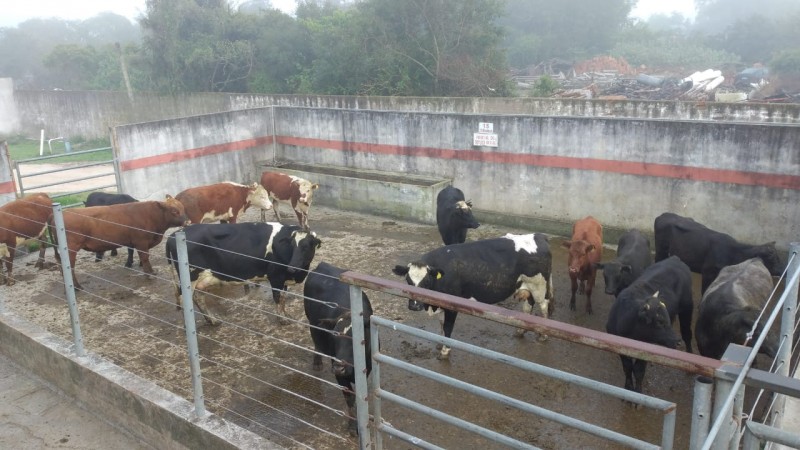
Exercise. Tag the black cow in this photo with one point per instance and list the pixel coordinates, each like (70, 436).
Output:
(105, 199)
(327, 306)
(646, 309)
(730, 307)
(454, 216)
(488, 271)
(633, 256)
(706, 251)
(243, 253)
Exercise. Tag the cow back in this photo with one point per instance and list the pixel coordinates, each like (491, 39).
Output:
(105, 198)
(216, 199)
(25, 217)
(279, 186)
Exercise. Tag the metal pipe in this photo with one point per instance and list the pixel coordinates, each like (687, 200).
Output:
(82, 152)
(274, 138)
(417, 442)
(71, 180)
(784, 357)
(360, 366)
(701, 411)
(189, 323)
(722, 416)
(66, 271)
(750, 441)
(377, 413)
(738, 406)
(772, 434)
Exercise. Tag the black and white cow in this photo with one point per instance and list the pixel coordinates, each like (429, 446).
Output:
(488, 271)
(327, 306)
(633, 256)
(243, 253)
(731, 306)
(646, 309)
(105, 199)
(454, 216)
(706, 251)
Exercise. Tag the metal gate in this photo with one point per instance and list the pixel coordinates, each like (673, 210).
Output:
(77, 174)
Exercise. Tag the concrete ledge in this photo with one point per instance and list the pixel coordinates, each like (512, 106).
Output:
(396, 195)
(146, 411)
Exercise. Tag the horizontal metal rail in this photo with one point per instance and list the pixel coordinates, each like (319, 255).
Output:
(65, 169)
(665, 407)
(82, 152)
(763, 432)
(71, 180)
(420, 443)
(684, 361)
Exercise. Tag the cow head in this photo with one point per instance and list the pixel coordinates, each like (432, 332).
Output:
(305, 189)
(579, 252)
(535, 290)
(420, 275)
(175, 212)
(654, 316)
(305, 245)
(463, 215)
(343, 347)
(258, 197)
(616, 275)
(769, 256)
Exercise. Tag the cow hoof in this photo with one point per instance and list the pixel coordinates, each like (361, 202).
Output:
(316, 367)
(542, 338)
(283, 321)
(128, 265)
(10, 282)
(572, 306)
(97, 260)
(520, 333)
(442, 357)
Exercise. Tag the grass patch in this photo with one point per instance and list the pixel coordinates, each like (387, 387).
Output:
(71, 200)
(20, 148)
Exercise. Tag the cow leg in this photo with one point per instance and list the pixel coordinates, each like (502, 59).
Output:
(42, 248)
(98, 256)
(639, 365)
(302, 218)
(73, 254)
(113, 252)
(447, 329)
(278, 295)
(627, 369)
(7, 278)
(589, 289)
(144, 258)
(573, 278)
(350, 413)
(199, 300)
(275, 208)
(129, 261)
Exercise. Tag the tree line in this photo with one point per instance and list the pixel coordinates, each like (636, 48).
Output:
(382, 47)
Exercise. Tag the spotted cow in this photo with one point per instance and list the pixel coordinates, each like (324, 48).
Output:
(295, 191)
(222, 201)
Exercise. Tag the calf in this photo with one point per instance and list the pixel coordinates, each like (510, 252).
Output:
(20, 220)
(730, 308)
(706, 251)
(454, 216)
(222, 202)
(488, 271)
(585, 251)
(327, 307)
(105, 199)
(293, 190)
(140, 225)
(633, 256)
(243, 253)
(646, 309)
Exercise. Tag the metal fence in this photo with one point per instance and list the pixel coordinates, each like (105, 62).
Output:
(254, 395)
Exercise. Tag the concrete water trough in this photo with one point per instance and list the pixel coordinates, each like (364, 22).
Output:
(400, 196)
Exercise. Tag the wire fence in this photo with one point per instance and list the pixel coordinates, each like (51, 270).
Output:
(255, 371)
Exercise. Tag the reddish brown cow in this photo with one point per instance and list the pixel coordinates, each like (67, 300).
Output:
(585, 250)
(20, 220)
(293, 190)
(137, 225)
(222, 201)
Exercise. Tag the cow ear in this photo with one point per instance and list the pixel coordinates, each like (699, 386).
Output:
(566, 244)
(436, 273)
(400, 270)
(168, 197)
(589, 249)
(469, 203)
(625, 268)
(314, 186)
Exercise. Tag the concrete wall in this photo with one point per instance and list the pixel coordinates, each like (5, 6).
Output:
(9, 116)
(90, 114)
(168, 156)
(8, 189)
(738, 178)
(148, 412)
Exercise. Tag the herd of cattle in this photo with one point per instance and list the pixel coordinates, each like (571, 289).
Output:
(649, 292)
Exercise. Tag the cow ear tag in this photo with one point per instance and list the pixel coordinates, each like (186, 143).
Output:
(438, 275)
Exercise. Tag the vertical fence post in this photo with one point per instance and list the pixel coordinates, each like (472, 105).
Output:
(738, 406)
(784, 356)
(360, 366)
(376, 384)
(189, 324)
(722, 392)
(66, 271)
(701, 411)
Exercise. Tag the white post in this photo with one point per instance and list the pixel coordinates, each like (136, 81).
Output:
(41, 143)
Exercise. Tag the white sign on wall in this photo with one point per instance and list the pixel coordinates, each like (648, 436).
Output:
(485, 127)
(484, 139)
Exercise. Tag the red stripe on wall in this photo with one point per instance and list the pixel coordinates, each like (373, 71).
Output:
(150, 161)
(561, 162)
(8, 187)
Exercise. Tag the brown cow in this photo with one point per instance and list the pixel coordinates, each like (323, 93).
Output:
(20, 220)
(222, 201)
(293, 190)
(585, 250)
(138, 225)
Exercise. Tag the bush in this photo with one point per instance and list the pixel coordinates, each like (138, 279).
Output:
(786, 62)
(544, 87)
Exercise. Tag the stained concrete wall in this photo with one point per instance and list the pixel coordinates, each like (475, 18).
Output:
(9, 116)
(90, 114)
(8, 190)
(168, 156)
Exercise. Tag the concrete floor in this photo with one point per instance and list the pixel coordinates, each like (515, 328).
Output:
(34, 416)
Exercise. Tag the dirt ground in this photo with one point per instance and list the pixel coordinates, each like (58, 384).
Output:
(258, 374)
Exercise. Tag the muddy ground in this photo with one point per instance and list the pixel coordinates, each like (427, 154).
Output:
(258, 374)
